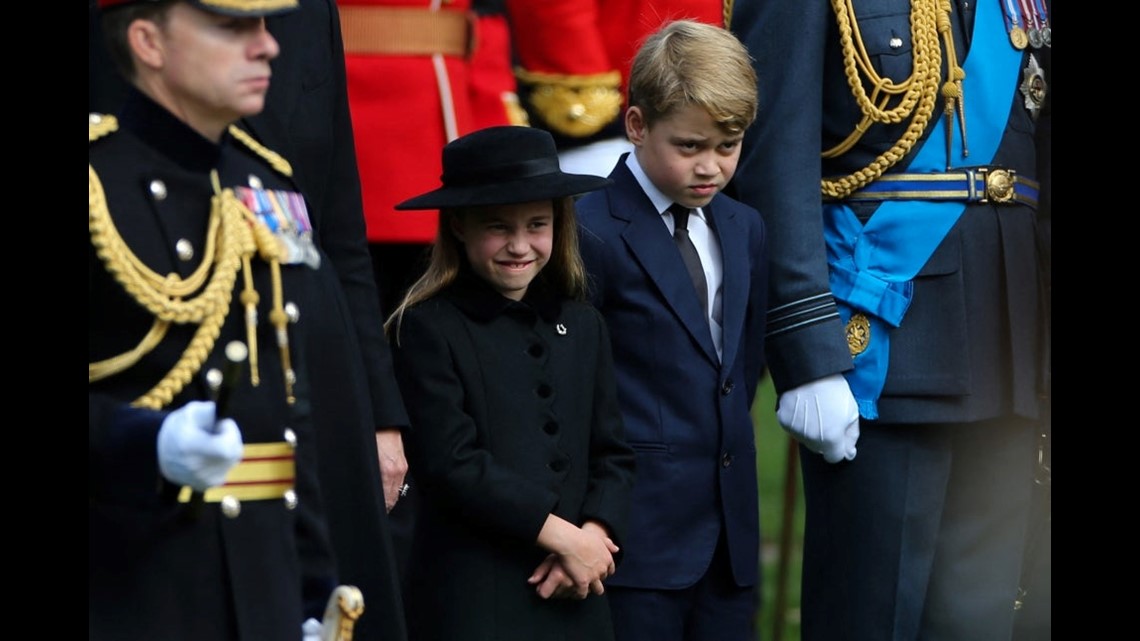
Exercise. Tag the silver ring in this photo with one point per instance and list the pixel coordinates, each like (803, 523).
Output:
(404, 489)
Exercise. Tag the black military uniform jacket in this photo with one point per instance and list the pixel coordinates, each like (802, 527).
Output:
(306, 119)
(514, 416)
(159, 569)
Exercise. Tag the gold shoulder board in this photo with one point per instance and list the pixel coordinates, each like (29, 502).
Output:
(574, 105)
(100, 125)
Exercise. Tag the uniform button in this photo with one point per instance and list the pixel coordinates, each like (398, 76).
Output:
(254, 182)
(231, 507)
(185, 249)
(551, 427)
(535, 350)
(895, 43)
(558, 465)
(290, 437)
(544, 391)
(214, 378)
(292, 312)
(290, 500)
(158, 189)
(726, 460)
(726, 389)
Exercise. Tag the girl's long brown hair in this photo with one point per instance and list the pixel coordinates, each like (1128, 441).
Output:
(564, 271)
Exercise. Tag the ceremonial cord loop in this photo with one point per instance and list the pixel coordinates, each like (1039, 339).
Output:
(912, 98)
(234, 235)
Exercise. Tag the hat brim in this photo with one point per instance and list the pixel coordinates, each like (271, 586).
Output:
(237, 8)
(249, 8)
(508, 192)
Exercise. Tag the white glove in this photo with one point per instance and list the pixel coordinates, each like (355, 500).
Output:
(823, 416)
(311, 630)
(195, 450)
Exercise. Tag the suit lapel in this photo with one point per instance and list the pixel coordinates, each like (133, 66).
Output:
(734, 295)
(649, 242)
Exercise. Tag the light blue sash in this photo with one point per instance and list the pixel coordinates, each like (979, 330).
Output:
(872, 266)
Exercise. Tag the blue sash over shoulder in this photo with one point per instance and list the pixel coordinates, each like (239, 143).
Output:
(872, 265)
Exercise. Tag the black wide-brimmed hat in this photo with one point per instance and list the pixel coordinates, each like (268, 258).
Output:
(502, 166)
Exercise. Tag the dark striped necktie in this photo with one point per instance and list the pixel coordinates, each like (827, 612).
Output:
(689, 254)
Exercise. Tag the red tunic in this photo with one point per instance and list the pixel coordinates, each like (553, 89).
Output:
(407, 103)
(583, 39)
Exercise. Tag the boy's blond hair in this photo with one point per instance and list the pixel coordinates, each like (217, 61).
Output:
(694, 63)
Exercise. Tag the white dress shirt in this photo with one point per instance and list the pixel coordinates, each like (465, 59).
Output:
(704, 239)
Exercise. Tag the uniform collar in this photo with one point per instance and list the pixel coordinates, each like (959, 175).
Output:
(158, 128)
(476, 298)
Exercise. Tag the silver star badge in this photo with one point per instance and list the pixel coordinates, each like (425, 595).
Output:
(1033, 86)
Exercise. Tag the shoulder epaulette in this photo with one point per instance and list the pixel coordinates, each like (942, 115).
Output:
(574, 105)
(273, 158)
(100, 125)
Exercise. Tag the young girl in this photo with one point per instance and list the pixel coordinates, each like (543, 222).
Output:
(516, 441)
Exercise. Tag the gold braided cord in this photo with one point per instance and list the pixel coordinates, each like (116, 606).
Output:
(252, 5)
(273, 158)
(163, 296)
(99, 370)
(280, 321)
(915, 96)
(857, 66)
(272, 250)
(234, 235)
(726, 13)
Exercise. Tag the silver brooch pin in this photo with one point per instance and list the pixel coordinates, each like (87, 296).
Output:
(561, 329)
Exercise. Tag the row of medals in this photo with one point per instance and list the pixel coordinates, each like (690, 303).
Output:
(1038, 33)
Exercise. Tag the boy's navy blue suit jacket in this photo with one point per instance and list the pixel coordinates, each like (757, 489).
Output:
(686, 412)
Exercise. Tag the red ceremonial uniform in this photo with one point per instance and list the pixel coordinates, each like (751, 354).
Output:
(420, 73)
(575, 57)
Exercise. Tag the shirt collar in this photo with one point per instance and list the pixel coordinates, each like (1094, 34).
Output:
(660, 201)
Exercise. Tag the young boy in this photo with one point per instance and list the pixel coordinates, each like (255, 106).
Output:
(688, 337)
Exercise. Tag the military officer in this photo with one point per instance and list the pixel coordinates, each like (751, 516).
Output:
(895, 162)
(204, 521)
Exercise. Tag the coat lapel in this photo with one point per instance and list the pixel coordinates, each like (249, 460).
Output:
(649, 242)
